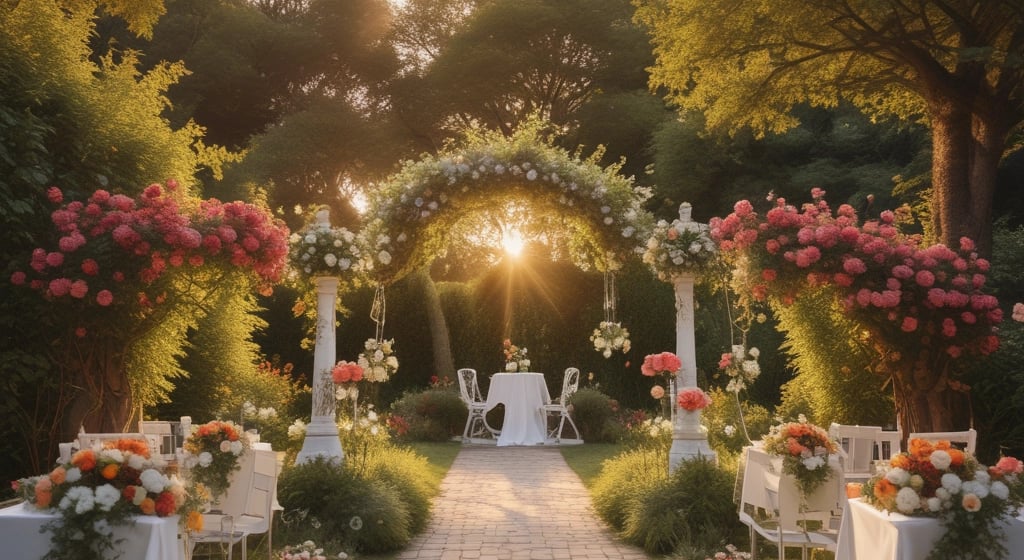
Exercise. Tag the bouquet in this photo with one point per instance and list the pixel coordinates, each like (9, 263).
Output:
(805, 449)
(98, 489)
(214, 451)
(665, 363)
(320, 250)
(378, 361)
(515, 357)
(679, 247)
(610, 337)
(741, 366)
(692, 398)
(941, 481)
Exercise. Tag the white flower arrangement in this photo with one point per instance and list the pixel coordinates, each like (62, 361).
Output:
(741, 366)
(378, 360)
(610, 337)
(322, 250)
(684, 246)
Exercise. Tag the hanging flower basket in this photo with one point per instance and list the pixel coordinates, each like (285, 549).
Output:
(610, 337)
(680, 247)
(321, 250)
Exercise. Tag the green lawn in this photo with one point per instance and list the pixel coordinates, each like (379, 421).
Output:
(586, 460)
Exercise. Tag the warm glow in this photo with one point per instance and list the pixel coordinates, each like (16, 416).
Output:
(512, 241)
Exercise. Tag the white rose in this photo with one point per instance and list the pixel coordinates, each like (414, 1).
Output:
(951, 483)
(1000, 490)
(941, 459)
(205, 459)
(153, 480)
(330, 260)
(107, 496)
(237, 447)
(310, 238)
(898, 476)
(907, 500)
(934, 504)
(391, 362)
(384, 257)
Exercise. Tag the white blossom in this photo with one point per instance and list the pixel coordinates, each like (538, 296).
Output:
(907, 500)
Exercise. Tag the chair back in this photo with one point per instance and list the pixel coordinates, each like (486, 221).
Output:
(858, 446)
(262, 489)
(163, 431)
(469, 389)
(766, 487)
(246, 485)
(888, 444)
(966, 440)
(570, 383)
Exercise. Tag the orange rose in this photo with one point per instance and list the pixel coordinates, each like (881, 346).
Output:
(901, 461)
(110, 471)
(885, 490)
(943, 445)
(194, 521)
(148, 506)
(44, 493)
(920, 448)
(956, 456)
(85, 460)
(58, 475)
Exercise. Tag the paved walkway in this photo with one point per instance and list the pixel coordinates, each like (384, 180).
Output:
(515, 503)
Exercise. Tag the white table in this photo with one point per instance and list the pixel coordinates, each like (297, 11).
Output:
(522, 394)
(866, 533)
(150, 538)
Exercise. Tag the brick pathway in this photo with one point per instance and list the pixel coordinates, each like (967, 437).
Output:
(515, 503)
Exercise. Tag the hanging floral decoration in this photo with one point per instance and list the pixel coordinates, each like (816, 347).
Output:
(378, 360)
(740, 366)
(680, 247)
(663, 364)
(610, 337)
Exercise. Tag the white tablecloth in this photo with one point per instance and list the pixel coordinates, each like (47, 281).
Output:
(522, 394)
(866, 533)
(150, 538)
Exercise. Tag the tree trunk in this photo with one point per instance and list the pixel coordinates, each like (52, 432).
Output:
(925, 400)
(101, 401)
(966, 150)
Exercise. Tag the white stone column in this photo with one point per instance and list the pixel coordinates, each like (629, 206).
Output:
(322, 432)
(688, 438)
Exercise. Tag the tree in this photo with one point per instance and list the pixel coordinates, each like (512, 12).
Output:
(958, 64)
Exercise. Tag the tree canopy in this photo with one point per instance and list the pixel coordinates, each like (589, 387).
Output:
(957, 64)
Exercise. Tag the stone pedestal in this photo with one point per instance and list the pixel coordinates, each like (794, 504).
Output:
(688, 438)
(322, 432)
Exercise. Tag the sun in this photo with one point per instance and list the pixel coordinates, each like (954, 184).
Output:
(512, 242)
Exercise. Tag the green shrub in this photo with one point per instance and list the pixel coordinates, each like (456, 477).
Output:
(406, 472)
(693, 506)
(434, 414)
(364, 513)
(594, 414)
(725, 429)
(623, 480)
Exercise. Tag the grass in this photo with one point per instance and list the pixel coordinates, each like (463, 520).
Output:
(586, 460)
(440, 455)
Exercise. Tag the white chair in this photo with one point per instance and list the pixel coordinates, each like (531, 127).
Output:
(857, 445)
(560, 407)
(88, 441)
(770, 505)
(469, 391)
(966, 440)
(888, 444)
(162, 432)
(247, 508)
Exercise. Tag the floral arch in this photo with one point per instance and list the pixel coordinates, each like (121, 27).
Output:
(415, 209)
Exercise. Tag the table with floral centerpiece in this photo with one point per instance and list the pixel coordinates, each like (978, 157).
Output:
(146, 537)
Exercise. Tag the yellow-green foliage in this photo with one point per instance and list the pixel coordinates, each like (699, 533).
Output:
(725, 426)
(834, 383)
(624, 480)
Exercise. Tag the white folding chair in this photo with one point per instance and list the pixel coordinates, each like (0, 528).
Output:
(770, 506)
(856, 449)
(469, 391)
(247, 508)
(560, 407)
(966, 440)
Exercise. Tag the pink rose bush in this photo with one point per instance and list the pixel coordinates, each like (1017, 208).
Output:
(114, 250)
(923, 308)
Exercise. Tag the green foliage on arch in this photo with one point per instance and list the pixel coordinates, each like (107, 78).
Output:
(418, 206)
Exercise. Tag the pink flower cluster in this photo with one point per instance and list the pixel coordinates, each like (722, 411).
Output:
(665, 363)
(887, 280)
(343, 372)
(110, 244)
(692, 398)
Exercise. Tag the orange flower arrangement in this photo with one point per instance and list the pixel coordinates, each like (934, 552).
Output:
(805, 449)
(100, 487)
(936, 479)
(214, 449)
